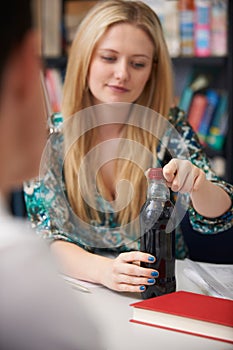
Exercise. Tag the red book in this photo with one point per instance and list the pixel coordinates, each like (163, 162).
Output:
(197, 110)
(187, 312)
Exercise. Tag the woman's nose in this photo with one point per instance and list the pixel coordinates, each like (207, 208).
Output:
(122, 70)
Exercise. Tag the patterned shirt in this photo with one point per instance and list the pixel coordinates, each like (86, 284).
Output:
(52, 216)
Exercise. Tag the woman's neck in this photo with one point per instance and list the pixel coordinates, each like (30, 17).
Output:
(110, 131)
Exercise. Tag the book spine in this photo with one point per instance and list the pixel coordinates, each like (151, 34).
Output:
(186, 32)
(186, 23)
(196, 111)
(219, 28)
(202, 28)
(171, 28)
(53, 83)
(218, 128)
(212, 98)
(186, 99)
(195, 82)
(51, 28)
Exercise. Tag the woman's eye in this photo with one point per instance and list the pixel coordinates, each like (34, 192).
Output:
(108, 58)
(138, 65)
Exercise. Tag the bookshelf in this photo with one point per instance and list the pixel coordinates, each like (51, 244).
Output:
(182, 67)
(223, 79)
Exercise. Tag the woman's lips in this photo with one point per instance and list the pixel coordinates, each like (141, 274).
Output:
(118, 88)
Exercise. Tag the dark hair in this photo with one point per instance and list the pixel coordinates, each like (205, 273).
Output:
(15, 21)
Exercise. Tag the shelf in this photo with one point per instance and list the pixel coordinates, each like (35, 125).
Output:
(55, 62)
(210, 60)
(211, 153)
(60, 62)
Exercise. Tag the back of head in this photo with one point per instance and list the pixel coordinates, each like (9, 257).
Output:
(15, 21)
(22, 117)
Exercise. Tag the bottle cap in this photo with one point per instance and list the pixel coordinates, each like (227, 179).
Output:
(155, 173)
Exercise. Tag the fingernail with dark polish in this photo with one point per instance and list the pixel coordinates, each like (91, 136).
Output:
(151, 280)
(154, 273)
(142, 288)
(151, 258)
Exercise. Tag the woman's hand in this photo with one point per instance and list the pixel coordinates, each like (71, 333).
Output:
(208, 199)
(182, 176)
(124, 273)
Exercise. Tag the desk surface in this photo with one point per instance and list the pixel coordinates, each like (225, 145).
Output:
(112, 312)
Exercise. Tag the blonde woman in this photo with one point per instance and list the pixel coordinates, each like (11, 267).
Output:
(119, 64)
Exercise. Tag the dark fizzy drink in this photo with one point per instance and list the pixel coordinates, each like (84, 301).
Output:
(156, 237)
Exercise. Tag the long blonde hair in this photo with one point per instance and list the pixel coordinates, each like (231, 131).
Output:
(157, 95)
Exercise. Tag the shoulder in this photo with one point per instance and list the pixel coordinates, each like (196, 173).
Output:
(56, 138)
(178, 119)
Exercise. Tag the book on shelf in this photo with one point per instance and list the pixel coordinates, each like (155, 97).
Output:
(212, 101)
(54, 85)
(202, 28)
(218, 128)
(188, 312)
(219, 26)
(168, 14)
(208, 117)
(171, 27)
(206, 28)
(196, 82)
(51, 28)
(196, 110)
(74, 12)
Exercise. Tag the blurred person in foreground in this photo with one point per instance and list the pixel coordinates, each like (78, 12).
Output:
(38, 311)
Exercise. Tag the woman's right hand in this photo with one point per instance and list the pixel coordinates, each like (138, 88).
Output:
(124, 273)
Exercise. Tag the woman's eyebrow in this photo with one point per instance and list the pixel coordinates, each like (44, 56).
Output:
(115, 51)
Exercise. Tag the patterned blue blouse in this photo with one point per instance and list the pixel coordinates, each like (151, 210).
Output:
(50, 213)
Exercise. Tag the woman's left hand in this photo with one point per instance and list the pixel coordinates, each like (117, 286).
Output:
(182, 176)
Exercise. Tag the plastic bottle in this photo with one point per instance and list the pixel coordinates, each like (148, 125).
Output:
(186, 10)
(155, 236)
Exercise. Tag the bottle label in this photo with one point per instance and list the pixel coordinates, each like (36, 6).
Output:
(157, 241)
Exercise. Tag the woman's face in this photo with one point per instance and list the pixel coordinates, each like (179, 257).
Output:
(121, 64)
